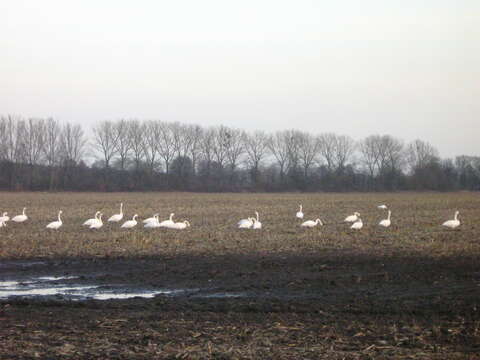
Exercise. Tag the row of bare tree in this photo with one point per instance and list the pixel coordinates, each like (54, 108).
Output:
(144, 155)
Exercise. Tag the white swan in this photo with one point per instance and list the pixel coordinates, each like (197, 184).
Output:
(98, 223)
(91, 221)
(452, 224)
(154, 218)
(4, 218)
(357, 225)
(180, 225)
(256, 223)
(352, 218)
(130, 223)
(167, 223)
(245, 223)
(382, 207)
(299, 214)
(20, 218)
(311, 223)
(117, 217)
(152, 224)
(386, 222)
(56, 224)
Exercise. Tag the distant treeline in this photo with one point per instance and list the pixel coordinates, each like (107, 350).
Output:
(133, 155)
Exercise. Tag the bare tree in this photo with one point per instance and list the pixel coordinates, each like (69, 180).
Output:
(34, 137)
(345, 146)
(370, 151)
(165, 145)
(194, 134)
(72, 143)
(394, 154)
(421, 153)
(234, 148)
(136, 131)
(327, 147)
(293, 139)
(124, 145)
(105, 140)
(14, 139)
(3, 138)
(207, 144)
(152, 133)
(256, 148)
(308, 152)
(51, 147)
(278, 146)
(221, 141)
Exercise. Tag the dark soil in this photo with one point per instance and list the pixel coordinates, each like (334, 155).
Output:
(337, 305)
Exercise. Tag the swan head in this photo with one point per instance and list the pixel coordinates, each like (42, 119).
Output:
(186, 223)
(357, 214)
(5, 213)
(60, 212)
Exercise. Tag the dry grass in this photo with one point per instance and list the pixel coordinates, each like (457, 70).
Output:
(416, 219)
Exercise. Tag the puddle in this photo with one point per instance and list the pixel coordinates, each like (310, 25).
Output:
(223, 295)
(63, 287)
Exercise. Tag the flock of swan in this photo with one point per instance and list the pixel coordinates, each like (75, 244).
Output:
(248, 223)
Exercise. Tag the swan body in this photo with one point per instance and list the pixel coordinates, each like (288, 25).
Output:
(299, 214)
(152, 224)
(452, 224)
(357, 225)
(55, 225)
(98, 223)
(154, 218)
(382, 207)
(256, 224)
(117, 217)
(130, 223)
(311, 223)
(167, 223)
(386, 222)
(4, 218)
(245, 223)
(93, 220)
(352, 218)
(20, 218)
(180, 225)
(3, 224)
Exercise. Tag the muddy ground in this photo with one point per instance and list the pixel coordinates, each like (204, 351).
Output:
(285, 306)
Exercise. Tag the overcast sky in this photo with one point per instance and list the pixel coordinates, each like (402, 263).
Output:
(410, 68)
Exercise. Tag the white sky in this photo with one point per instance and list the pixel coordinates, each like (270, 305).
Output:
(409, 68)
